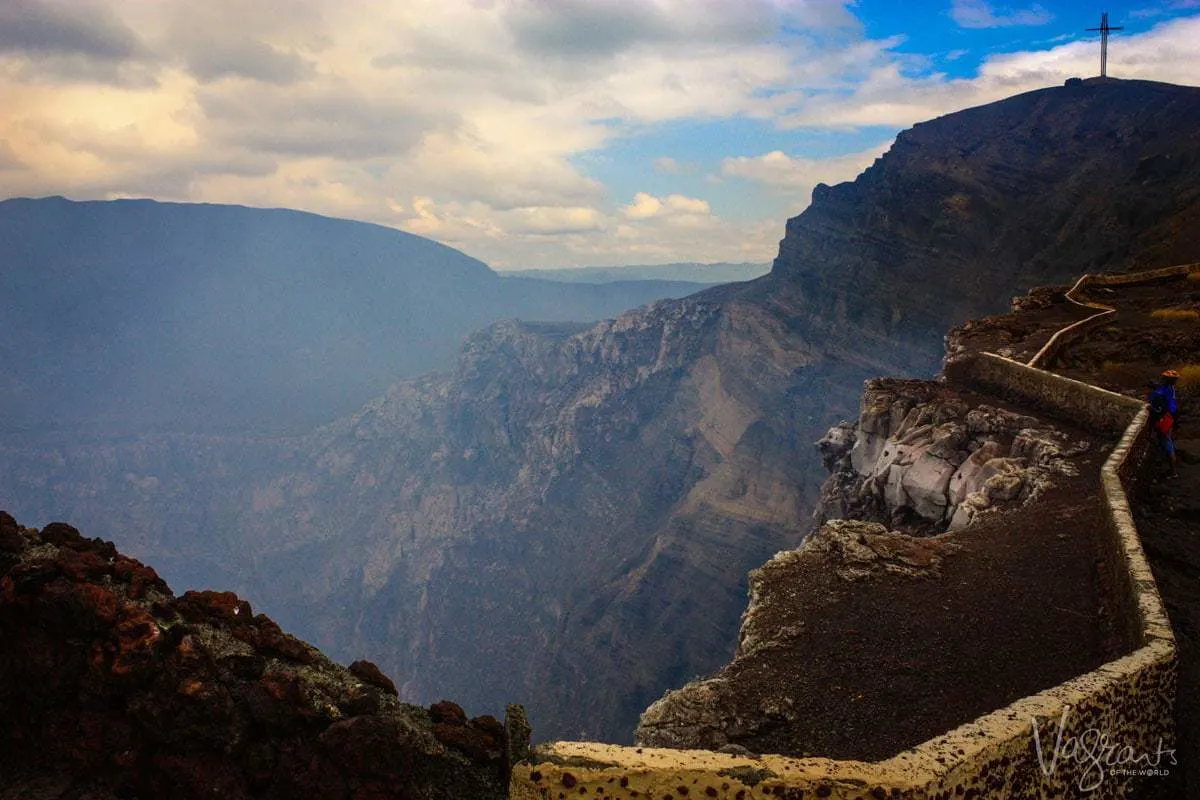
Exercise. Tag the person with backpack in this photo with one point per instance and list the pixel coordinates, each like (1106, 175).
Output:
(1164, 416)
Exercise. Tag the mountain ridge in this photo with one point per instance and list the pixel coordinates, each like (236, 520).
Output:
(126, 315)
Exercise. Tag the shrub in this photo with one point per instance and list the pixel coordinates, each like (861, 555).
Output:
(1189, 376)
(1176, 314)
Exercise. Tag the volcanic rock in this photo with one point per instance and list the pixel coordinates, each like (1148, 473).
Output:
(111, 687)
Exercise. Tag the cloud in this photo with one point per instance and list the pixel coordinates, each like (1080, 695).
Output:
(248, 58)
(668, 165)
(486, 125)
(643, 206)
(981, 14)
(548, 220)
(585, 29)
(646, 206)
(8, 156)
(888, 96)
(66, 29)
(330, 120)
(798, 174)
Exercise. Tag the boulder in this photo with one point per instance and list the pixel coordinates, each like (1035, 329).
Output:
(966, 478)
(926, 482)
(1000, 488)
(835, 444)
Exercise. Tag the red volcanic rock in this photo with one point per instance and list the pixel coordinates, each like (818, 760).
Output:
(448, 712)
(368, 672)
(112, 687)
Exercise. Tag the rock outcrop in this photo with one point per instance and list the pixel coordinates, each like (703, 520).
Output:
(111, 687)
(927, 459)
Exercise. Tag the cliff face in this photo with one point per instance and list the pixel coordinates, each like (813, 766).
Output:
(967, 208)
(567, 517)
(572, 504)
(111, 687)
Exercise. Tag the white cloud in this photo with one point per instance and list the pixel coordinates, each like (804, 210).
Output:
(782, 171)
(649, 229)
(546, 220)
(888, 96)
(668, 165)
(981, 14)
(645, 206)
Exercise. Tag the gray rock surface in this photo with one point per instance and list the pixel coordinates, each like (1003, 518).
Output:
(921, 457)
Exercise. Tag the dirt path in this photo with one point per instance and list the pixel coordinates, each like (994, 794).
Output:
(1125, 356)
(1168, 518)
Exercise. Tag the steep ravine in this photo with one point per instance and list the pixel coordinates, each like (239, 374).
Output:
(566, 519)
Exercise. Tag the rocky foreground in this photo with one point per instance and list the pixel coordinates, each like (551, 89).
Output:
(112, 687)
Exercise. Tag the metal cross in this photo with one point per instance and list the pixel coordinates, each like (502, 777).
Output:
(1104, 29)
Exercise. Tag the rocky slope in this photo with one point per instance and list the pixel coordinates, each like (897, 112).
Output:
(567, 517)
(112, 687)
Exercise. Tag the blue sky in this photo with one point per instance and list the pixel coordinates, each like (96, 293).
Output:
(933, 40)
(528, 133)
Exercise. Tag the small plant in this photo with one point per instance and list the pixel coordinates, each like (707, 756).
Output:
(1189, 376)
(1176, 314)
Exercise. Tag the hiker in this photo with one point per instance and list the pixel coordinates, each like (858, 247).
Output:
(1164, 415)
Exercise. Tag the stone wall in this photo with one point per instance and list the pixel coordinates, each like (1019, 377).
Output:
(1048, 745)
(1090, 406)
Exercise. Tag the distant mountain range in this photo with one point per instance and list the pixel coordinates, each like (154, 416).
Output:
(685, 271)
(566, 518)
(133, 315)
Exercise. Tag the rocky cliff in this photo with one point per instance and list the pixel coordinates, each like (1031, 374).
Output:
(568, 516)
(112, 687)
(848, 640)
(918, 461)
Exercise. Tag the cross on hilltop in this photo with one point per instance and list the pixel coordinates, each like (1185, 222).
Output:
(1104, 31)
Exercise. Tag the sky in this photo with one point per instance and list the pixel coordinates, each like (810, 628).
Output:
(527, 133)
